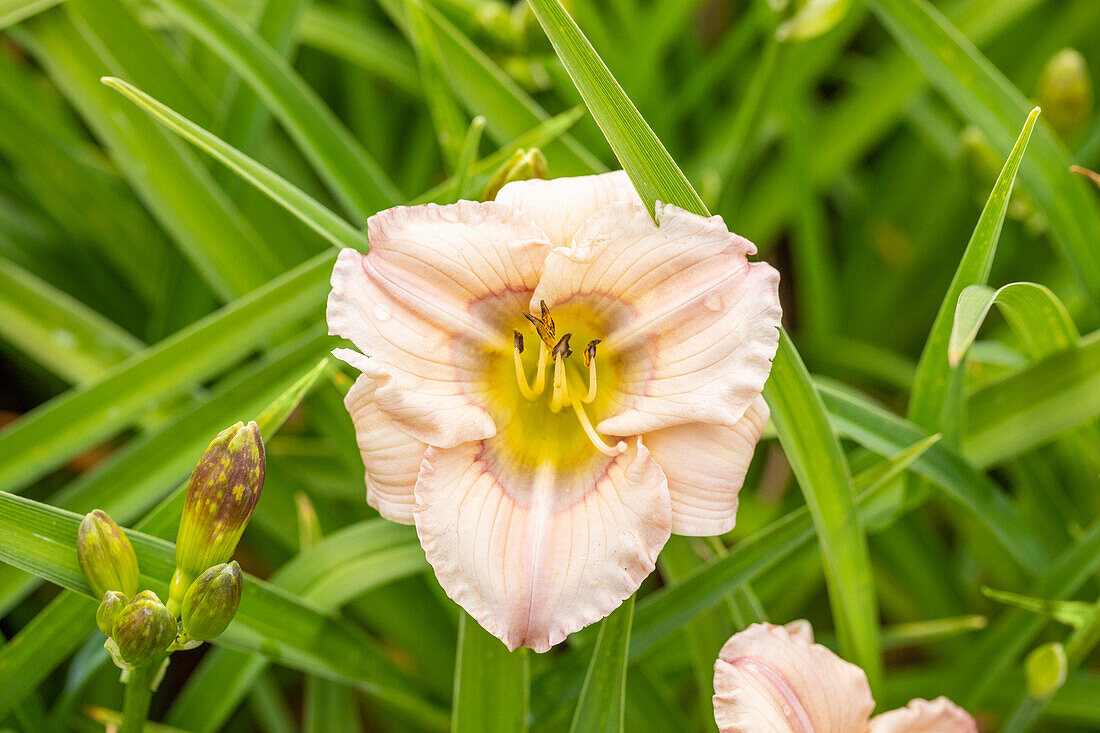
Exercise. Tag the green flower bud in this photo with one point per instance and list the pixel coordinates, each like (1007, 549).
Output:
(144, 629)
(110, 608)
(1046, 667)
(211, 601)
(106, 555)
(1065, 93)
(522, 166)
(221, 495)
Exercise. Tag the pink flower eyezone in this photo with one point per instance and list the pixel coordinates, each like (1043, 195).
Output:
(776, 679)
(551, 384)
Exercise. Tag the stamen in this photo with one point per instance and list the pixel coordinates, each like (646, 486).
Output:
(540, 328)
(590, 362)
(544, 324)
(540, 376)
(593, 436)
(521, 378)
(547, 320)
(561, 386)
(561, 348)
(561, 392)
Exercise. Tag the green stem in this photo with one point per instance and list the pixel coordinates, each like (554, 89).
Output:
(135, 703)
(1080, 643)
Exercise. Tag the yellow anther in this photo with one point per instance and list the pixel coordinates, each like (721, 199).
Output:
(521, 378)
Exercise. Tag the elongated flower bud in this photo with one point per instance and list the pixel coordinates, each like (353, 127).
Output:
(1065, 93)
(211, 601)
(106, 555)
(110, 608)
(143, 630)
(223, 491)
(523, 165)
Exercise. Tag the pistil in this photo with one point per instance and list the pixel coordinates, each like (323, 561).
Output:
(593, 436)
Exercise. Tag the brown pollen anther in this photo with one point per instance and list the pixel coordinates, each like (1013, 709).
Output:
(546, 333)
(561, 348)
(546, 319)
(590, 351)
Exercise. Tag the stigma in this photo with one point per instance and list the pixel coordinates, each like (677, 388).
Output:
(566, 389)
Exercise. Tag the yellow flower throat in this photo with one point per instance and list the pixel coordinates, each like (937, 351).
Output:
(539, 429)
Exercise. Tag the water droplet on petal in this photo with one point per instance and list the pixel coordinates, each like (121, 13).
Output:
(713, 301)
(381, 312)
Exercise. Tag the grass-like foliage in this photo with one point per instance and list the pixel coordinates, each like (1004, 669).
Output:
(178, 176)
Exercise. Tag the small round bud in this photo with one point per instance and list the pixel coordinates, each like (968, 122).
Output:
(221, 495)
(106, 555)
(1065, 93)
(110, 608)
(522, 166)
(144, 629)
(1046, 667)
(211, 601)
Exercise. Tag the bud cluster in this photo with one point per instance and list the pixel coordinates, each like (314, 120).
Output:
(205, 590)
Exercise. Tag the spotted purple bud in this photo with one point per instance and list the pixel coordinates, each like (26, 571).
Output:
(522, 166)
(143, 630)
(106, 555)
(221, 495)
(212, 600)
(110, 608)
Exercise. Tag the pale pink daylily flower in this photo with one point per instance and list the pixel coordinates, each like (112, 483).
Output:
(775, 679)
(551, 385)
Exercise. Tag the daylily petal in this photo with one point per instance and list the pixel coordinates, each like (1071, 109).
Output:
(692, 321)
(537, 554)
(925, 716)
(428, 301)
(391, 456)
(800, 628)
(706, 465)
(560, 206)
(768, 679)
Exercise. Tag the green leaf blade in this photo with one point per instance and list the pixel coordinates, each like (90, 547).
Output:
(601, 708)
(491, 684)
(930, 403)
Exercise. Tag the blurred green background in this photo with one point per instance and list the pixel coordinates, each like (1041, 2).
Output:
(149, 297)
